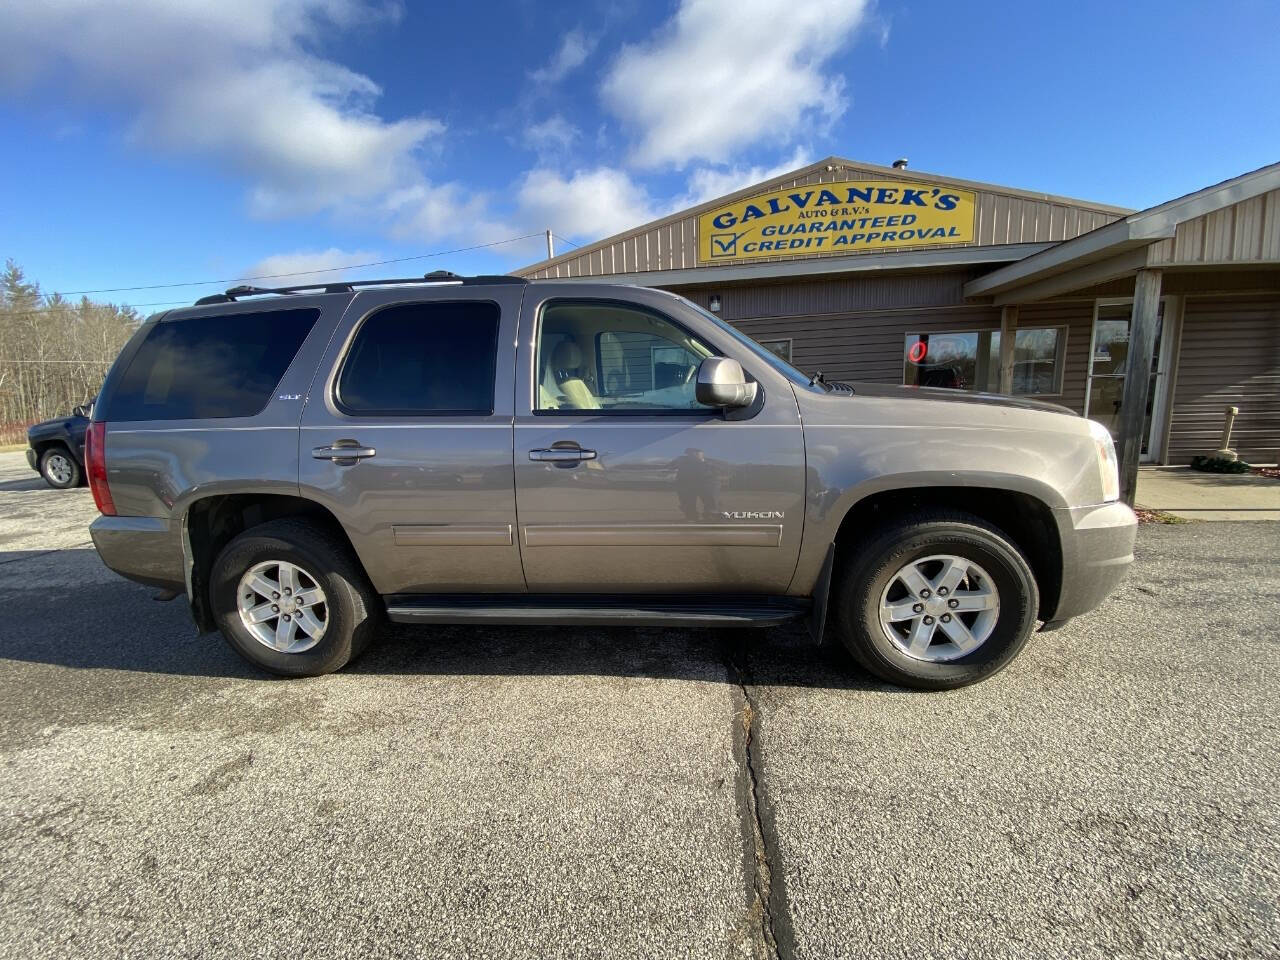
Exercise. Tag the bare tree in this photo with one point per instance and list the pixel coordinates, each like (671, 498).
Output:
(53, 353)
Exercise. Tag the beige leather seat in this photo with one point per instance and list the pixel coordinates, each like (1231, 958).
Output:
(566, 362)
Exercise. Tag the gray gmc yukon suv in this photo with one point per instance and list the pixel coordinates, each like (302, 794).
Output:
(303, 462)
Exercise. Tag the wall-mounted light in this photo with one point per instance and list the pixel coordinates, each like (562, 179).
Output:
(715, 303)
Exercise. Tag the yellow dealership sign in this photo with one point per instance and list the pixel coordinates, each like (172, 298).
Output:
(822, 219)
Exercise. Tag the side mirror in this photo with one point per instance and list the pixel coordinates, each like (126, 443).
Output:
(721, 383)
(80, 411)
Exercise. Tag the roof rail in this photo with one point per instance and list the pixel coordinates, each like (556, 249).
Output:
(435, 276)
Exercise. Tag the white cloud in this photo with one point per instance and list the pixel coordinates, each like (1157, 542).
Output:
(591, 204)
(574, 49)
(553, 135)
(707, 183)
(233, 81)
(307, 266)
(722, 74)
(448, 211)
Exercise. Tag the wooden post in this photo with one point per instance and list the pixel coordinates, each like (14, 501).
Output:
(1008, 339)
(1137, 379)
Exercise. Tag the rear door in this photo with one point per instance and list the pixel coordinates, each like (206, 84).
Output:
(406, 437)
(625, 483)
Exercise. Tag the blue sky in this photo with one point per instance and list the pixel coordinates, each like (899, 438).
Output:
(166, 141)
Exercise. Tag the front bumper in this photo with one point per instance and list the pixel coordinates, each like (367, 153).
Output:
(32, 460)
(1097, 549)
(144, 549)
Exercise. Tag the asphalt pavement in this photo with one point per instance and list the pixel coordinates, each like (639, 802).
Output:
(635, 793)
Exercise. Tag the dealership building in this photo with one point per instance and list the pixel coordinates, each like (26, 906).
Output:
(889, 275)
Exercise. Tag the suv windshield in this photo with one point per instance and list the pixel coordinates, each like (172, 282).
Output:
(764, 353)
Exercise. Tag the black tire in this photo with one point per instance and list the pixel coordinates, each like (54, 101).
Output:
(855, 601)
(352, 608)
(58, 459)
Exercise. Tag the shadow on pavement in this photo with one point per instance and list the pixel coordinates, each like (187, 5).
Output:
(32, 483)
(65, 609)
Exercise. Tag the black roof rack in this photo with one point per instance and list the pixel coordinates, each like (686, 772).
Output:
(435, 276)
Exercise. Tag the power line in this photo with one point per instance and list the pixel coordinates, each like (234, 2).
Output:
(563, 240)
(300, 273)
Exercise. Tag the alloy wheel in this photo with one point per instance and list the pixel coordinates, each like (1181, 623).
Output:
(282, 606)
(939, 608)
(59, 467)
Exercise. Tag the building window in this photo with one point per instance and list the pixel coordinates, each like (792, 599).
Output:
(970, 360)
(781, 347)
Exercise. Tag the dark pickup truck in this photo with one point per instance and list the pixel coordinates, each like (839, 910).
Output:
(55, 448)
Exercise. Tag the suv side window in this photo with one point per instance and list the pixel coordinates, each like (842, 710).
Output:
(610, 357)
(422, 358)
(226, 365)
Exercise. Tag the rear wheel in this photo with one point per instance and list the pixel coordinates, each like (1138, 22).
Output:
(941, 601)
(290, 598)
(59, 468)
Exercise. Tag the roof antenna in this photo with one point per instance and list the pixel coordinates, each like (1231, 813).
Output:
(900, 163)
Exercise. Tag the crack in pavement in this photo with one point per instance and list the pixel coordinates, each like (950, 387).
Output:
(768, 916)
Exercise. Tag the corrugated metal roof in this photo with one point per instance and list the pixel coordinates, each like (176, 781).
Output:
(1004, 215)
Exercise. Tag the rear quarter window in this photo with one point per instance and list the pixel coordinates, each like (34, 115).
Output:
(211, 367)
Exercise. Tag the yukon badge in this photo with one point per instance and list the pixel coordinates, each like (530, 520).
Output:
(751, 514)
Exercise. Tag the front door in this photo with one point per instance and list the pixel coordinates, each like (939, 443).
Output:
(406, 438)
(1107, 362)
(624, 482)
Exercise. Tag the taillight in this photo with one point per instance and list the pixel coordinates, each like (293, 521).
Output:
(95, 456)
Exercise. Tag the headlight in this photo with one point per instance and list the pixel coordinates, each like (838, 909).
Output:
(1108, 465)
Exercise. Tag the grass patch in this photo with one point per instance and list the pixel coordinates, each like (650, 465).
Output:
(1158, 516)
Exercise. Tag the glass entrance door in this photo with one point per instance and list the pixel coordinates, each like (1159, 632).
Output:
(1107, 362)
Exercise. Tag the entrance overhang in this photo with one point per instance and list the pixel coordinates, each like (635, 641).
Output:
(1134, 243)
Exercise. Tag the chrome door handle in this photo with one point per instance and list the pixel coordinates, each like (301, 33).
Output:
(562, 454)
(344, 452)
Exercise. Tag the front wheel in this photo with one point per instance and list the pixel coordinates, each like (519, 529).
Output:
(59, 468)
(937, 602)
(290, 598)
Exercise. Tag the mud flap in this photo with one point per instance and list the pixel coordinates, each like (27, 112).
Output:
(197, 585)
(821, 591)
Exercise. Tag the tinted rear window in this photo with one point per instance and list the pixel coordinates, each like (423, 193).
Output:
(422, 358)
(210, 367)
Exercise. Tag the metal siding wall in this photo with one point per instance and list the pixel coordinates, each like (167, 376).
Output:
(1230, 355)
(1246, 239)
(1271, 226)
(856, 329)
(1219, 227)
(884, 292)
(853, 329)
(1243, 232)
(868, 345)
